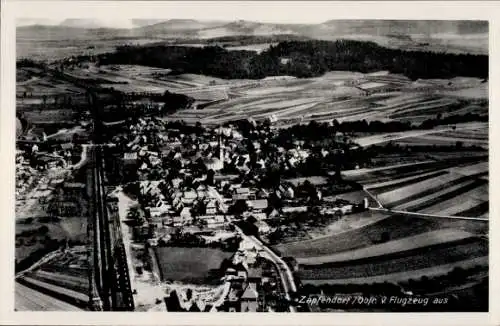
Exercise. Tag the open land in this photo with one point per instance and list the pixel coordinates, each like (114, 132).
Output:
(189, 264)
(416, 196)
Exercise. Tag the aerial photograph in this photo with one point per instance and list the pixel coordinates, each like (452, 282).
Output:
(203, 165)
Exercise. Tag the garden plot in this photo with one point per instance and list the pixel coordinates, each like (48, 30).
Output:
(409, 243)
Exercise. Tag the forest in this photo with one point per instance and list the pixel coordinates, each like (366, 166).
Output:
(308, 58)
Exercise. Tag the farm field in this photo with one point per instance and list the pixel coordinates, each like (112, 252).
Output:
(397, 227)
(335, 95)
(27, 299)
(74, 283)
(53, 49)
(405, 244)
(452, 191)
(446, 139)
(416, 259)
(71, 228)
(402, 276)
(371, 177)
(189, 264)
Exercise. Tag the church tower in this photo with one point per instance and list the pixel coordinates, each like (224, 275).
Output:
(221, 148)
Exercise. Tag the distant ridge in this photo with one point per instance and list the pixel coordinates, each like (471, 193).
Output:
(457, 36)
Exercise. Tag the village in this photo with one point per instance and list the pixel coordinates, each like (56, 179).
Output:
(210, 188)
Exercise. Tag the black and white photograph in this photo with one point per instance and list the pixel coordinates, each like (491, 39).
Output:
(173, 164)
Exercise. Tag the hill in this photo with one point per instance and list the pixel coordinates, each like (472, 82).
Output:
(440, 36)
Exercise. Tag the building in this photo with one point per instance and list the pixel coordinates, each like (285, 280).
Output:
(213, 163)
(241, 193)
(257, 205)
(248, 301)
(211, 208)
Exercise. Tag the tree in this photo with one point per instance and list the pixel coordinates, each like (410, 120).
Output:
(239, 207)
(210, 177)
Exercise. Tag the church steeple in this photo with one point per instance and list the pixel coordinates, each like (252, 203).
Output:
(221, 147)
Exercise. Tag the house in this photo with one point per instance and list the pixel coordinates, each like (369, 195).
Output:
(248, 301)
(184, 217)
(241, 193)
(258, 205)
(264, 228)
(294, 209)
(211, 207)
(189, 196)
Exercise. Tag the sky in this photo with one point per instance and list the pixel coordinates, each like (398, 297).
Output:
(119, 14)
(272, 12)
(114, 15)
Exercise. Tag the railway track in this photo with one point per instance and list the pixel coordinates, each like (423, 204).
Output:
(109, 261)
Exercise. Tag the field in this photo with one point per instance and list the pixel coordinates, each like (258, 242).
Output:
(340, 95)
(437, 270)
(27, 299)
(404, 244)
(416, 259)
(71, 228)
(56, 49)
(336, 95)
(467, 137)
(394, 247)
(189, 264)
(397, 226)
(460, 191)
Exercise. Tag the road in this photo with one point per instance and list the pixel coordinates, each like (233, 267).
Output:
(286, 275)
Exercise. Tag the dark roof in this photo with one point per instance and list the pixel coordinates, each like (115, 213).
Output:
(194, 307)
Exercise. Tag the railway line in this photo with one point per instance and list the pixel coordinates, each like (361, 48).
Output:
(109, 261)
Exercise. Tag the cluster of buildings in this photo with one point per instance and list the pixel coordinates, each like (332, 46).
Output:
(203, 181)
(251, 284)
